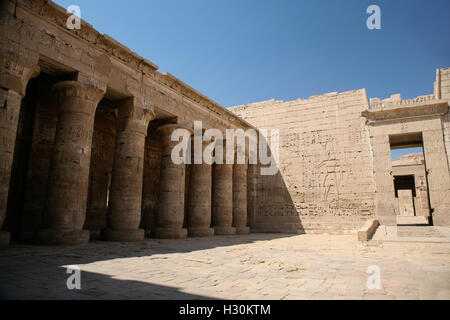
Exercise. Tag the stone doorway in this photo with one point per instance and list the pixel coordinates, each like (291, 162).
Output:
(396, 124)
(405, 192)
(409, 173)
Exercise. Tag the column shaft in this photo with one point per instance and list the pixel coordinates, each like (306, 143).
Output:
(124, 212)
(169, 222)
(14, 77)
(222, 212)
(125, 204)
(240, 198)
(9, 117)
(65, 211)
(200, 194)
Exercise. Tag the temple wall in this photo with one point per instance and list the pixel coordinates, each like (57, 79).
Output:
(443, 81)
(325, 182)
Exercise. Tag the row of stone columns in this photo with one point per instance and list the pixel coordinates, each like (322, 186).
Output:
(216, 197)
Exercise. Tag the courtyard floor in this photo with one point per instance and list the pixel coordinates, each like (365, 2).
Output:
(256, 266)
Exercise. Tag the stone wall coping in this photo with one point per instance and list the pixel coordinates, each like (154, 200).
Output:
(314, 98)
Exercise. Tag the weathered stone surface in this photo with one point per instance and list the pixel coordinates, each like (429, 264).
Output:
(200, 196)
(9, 116)
(69, 175)
(325, 172)
(222, 203)
(40, 157)
(240, 198)
(414, 164)
(169, 223)
(102, 159)
(15, 72)
(87, 172)
(405, 203)
(152, 168)
(368, 229)
(335, 166)
(35, 37)
(125, 205)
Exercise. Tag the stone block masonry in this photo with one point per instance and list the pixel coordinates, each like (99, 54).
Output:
(99, 164)
(95, 160)
(326, 176)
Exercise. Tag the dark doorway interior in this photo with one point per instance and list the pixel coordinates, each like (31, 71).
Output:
(404, 183)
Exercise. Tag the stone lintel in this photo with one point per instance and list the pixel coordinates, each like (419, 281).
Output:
(437, 108)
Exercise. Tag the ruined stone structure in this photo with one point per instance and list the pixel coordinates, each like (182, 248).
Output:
(410, 179)
(86, 124)
(335, 160)
(85, 128)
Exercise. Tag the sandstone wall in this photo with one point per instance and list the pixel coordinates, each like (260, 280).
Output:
(443, 82)
(325, 182)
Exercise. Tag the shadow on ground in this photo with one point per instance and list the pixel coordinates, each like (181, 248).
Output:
(22, 268)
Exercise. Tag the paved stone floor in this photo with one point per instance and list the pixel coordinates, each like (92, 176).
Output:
(256, 266)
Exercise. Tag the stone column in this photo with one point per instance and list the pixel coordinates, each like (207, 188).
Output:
(65, 211)
(9, 116)
(252, 202)
(125, 199)
(222, 211)
(200, 194)
(169, 222)
(240, 198)
(150, 188)
(14, 78)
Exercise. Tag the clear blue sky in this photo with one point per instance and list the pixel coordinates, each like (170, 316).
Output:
(241, 51)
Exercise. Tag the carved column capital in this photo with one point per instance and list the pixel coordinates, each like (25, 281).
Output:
(133, 116)
(71, 93)
(14, 74)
